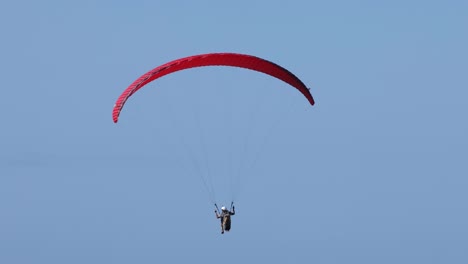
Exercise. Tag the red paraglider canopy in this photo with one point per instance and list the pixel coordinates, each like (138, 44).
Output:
(213, 59)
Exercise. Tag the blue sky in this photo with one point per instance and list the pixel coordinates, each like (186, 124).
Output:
(375, 172)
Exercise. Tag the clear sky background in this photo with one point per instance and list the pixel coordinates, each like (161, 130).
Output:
(375, 172)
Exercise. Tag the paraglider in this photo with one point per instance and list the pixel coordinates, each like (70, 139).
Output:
(212, 59)
(248, 62)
